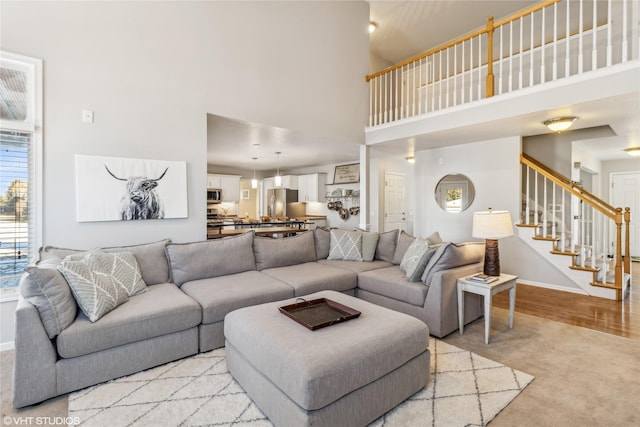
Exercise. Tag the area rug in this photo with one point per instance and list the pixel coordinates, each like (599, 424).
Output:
(464, 389)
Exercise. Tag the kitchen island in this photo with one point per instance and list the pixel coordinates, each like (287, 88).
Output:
(262, 232)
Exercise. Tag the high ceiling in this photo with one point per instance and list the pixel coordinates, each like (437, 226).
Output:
(405, 28)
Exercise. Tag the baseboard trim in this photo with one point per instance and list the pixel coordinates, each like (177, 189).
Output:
(551, 286)
(9, 345)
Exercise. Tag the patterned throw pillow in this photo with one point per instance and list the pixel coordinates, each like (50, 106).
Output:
(94, 290)
(415, 259)
(345, 245)
(124, 270)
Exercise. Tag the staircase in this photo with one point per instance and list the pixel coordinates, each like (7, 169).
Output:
(577, 232)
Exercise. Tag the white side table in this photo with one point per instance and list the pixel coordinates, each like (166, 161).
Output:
(506, 281)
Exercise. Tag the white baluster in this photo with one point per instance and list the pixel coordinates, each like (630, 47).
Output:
(564, 222)
(462, 91)
(594, 252)
(542, 47)
(625, 38)
(531, 62)
(555, 41)
(455, 73)
(544, 208)
(440, 80)
(580, 30)
(582, 234)
(536, 219)
(554, 218)
(510, 56)
(397, 89)
(480, 85)
(471, 70)
(501, 72)
(371, 102)
(527, 210)
(447, 80)
(419, 89)
(567, 44)
(609, 25)
(594, 35)
(521, 54)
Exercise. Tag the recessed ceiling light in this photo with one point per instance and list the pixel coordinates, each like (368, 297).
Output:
(372, 26)
(558, 124)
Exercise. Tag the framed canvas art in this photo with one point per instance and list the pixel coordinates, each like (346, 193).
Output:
(123, 189)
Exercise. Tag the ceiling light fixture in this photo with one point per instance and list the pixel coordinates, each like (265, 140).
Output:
(558, 124)
(278, 179)
(410, 159)
(254, 181)
(372, 26)
(633, 151)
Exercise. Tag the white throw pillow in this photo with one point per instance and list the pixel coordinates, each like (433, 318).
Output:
(415, 259)
(94, 290)
(345, 245)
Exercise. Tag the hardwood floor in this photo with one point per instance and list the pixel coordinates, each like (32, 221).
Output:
(613, 317)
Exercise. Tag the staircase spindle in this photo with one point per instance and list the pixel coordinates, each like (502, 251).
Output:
(564, 223)
(594, 35)
(580, 42)
(545, 209)
(555, 42)
(521, 54)
(567, 44)
(536, 220)
(542, 46)
(609, 26)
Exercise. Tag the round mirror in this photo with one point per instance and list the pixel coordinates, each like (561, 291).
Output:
(454, 193)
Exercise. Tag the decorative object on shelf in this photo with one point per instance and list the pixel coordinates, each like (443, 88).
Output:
(346, 174)
(123, 189)
(492, 225)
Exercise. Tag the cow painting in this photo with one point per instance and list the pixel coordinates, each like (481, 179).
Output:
(141, 200)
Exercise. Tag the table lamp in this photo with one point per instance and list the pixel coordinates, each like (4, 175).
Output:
(492, 225)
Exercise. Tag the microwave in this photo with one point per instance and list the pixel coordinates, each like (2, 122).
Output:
(214, 195)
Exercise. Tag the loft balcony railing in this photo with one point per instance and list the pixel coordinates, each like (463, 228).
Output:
(578, 223)
(549, 41)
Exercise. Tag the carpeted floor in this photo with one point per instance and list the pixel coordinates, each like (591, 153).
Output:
(583, 377)
(464, 389)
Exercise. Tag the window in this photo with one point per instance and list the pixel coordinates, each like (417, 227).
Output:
(20, 167)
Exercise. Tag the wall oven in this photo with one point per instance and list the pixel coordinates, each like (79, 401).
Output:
(214, 195)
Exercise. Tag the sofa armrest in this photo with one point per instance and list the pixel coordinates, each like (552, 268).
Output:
(34, 371)
(441, 304)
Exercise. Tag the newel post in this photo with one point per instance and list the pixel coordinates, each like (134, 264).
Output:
(490, 78)
(627, 244)
(618, 266)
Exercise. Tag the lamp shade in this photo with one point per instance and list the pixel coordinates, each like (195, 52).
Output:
(492, 225)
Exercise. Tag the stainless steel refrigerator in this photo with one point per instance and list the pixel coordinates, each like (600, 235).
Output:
(277, 200)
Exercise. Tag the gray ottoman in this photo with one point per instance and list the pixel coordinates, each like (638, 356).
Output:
(345, 374)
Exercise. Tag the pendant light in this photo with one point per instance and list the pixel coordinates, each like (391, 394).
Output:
(278, 178)
(254, 181)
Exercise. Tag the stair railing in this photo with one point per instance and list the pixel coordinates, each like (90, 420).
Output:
(551, 40)
(578, 221)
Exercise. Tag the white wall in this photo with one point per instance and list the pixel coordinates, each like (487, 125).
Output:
(494, 168)
(151, 71)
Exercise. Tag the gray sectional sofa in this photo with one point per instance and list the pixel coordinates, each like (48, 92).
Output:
(190, 287)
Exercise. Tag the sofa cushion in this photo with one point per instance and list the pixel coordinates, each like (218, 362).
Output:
(355, 265)
(345, 245)
(369, 245)
(386, 247)
(313, 277)
(416, 258)
(451, 255)
(151, 258)
(391, 282)
(162, 310)
(49, 292)
(93, 287)
(271, 253)
(404, 241)
(323, 242)
(220, 295)
(434, 238)
(213, 258)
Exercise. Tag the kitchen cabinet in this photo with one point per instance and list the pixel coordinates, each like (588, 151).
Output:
(229, 184)
(311, 187)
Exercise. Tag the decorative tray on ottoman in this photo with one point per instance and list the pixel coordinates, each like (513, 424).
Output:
(318, 313)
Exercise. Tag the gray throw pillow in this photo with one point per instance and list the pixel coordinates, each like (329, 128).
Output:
(369, 244)
(213, 258)
(271, 253)
(404, 241)
(345, 245)
(415, 259)
(386, 247)
(124, 270)
(94, 289)
(323, 242)
(451, 255)
(49, 292)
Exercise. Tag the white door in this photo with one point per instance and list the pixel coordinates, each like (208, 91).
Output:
(394, 201)
(625, 192)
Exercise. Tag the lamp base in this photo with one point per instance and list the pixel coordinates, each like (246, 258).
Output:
(491, 258)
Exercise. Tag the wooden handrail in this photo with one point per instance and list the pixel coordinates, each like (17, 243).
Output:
(489, 28)
(570, 186)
